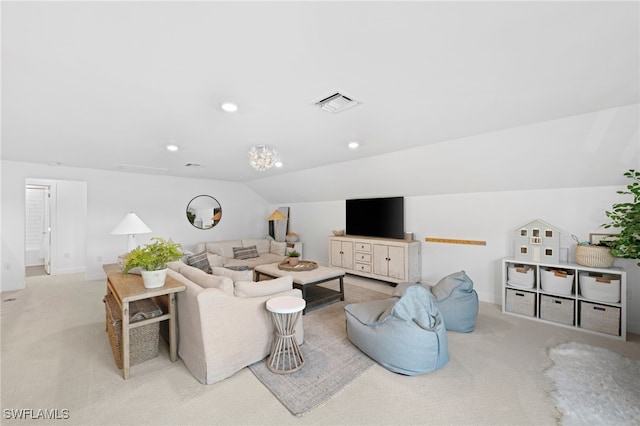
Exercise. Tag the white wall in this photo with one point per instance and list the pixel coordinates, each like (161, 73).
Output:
(160, 201)
(490, 217)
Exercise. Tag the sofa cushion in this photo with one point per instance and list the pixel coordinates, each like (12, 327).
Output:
(234, 275)
(245, 252)
(199, 260)
(176, 265)
(262, 288)
(223, 248)
(215, 260)
(261, 244)
(253, 262)
(277, 248)
(205, 280)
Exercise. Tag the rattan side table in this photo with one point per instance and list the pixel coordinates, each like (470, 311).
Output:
(285, 356)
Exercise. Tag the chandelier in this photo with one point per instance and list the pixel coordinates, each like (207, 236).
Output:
(261, 157)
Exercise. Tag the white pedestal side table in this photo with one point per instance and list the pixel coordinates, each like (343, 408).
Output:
(285, 354)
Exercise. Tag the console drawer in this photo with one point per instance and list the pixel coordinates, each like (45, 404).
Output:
(363, 257)
(363, 267)
(363, 247)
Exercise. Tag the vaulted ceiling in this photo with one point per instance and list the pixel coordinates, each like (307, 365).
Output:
(97, 84)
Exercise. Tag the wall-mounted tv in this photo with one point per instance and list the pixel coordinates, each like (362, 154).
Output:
(376, 217)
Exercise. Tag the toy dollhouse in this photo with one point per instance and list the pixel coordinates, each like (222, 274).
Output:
(537, 241)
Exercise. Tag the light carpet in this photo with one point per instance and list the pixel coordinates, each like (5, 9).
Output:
(594, 386)
(331, 361)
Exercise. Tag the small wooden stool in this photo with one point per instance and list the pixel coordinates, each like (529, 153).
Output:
(285, 354)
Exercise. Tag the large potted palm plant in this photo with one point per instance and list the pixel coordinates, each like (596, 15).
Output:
(626, 217)
(152, 259)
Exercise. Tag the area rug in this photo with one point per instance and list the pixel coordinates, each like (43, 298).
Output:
(331, 361)
(594, 386)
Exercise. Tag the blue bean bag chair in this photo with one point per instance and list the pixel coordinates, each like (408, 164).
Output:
(405, 335)
(456, 299)
(458, 302)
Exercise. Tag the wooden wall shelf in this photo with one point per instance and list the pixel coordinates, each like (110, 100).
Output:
(453, 241)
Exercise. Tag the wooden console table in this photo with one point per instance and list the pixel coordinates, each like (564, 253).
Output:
(127, 288)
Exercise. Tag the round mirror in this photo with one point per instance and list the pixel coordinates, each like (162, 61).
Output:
(204, 212)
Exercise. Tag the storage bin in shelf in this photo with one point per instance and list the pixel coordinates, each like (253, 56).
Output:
(521, 302)
(558, 281)
(522, 276)
(557, 309)
(600, 287)
(601, 318)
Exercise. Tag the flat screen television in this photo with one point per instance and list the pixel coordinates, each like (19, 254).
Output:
(376, 217)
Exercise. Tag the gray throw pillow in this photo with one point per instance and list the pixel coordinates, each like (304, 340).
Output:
(245, 252)
(199, 260)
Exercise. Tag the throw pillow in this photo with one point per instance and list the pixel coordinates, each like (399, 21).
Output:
(262, 288)
(245, 252)
(199, 260)
(234, 275)
(215, 260)
(278, 248)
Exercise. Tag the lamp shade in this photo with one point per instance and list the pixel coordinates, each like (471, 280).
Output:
(131, 225)
(276, 215)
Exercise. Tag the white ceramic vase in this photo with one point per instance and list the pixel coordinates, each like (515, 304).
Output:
(154, 279)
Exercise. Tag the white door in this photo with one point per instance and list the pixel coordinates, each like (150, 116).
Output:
(46, 237)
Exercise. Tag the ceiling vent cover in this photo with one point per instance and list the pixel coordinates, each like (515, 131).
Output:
(140, 169)
(337, 103)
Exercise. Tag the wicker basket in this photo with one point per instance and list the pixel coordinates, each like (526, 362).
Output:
(521, 302)
(594, 256)
(557, 309)
(143, 341)
(602, 318)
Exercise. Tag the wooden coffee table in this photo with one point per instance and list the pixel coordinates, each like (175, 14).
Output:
(307, 282)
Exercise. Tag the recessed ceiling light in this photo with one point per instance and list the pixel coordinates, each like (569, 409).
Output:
(172, 148)
(278, 164)
(229, 107)
(353, 145)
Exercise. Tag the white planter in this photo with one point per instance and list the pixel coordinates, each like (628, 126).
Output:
(154, 279)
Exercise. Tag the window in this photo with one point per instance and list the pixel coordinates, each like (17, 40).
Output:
(535, 232)
(548, 233)
(523, 250)
(523, 232)
(548, 252)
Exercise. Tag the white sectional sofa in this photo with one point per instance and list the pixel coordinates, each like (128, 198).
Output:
(225, 253)
(223, 325)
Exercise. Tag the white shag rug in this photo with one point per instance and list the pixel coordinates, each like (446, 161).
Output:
(594, 386)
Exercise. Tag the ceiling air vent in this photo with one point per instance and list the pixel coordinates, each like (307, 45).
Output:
(140, 169)
(337, 103)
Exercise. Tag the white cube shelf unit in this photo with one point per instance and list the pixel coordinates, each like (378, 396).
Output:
(553, 294)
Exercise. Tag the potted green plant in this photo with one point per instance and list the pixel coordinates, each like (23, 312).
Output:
(293, 257)
(626, 218)
(152, 260)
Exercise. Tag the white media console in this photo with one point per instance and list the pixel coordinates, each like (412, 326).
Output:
(383, 259)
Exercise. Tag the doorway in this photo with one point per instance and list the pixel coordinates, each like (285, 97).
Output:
(55, 226)
(38, 230)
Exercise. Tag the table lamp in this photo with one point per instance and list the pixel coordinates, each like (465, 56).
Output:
(131, 225)
(276, 215)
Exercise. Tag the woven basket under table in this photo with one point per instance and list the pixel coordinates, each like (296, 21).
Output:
(143, 341)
